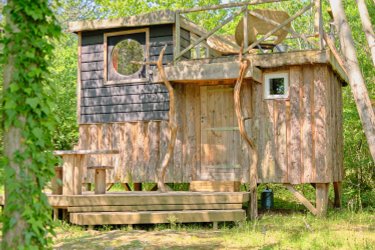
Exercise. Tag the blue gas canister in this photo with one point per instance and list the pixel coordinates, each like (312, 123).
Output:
(267, 199)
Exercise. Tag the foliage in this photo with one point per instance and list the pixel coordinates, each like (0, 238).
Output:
(29, 29)
(64, 75)
(275, 230)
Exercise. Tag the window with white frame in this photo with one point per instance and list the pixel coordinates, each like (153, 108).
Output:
(276, 85)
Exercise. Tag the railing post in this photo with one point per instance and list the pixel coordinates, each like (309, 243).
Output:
(246, 30)
(318, 22)
(177, 45)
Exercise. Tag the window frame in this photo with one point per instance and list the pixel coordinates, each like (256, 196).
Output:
(268, 77)
(106, 62)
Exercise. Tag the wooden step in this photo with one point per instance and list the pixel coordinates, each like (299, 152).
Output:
(155, 217)
(147, 198)
(160, 207)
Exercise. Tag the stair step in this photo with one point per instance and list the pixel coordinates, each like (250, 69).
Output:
(160, 207)
(155, 217)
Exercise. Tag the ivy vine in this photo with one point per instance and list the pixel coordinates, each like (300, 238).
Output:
(26, 107)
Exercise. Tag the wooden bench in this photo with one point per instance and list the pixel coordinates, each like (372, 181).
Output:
(73, 167)
(100, 178)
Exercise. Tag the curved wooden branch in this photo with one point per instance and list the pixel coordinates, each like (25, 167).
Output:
(244, 65)
(172, 123)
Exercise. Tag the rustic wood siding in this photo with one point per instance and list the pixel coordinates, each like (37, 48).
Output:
(101, 103)
(299, 140)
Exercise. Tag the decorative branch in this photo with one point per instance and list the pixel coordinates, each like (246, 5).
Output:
(172, 124)
(244, 65)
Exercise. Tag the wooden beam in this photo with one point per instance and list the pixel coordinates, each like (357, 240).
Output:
(301, 198)
(271, 32)
(367, 27)
(209, 72)
(334, 51)
(227, 20)
(196, 29)
(229, 5)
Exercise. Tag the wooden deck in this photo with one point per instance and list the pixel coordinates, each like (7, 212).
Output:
(128, 208)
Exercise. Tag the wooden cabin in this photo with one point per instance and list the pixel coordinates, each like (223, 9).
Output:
(291, 106)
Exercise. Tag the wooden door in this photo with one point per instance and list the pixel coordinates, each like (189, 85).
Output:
(220, 138)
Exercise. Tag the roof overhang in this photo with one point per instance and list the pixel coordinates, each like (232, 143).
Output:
(227, 68)
(152, 18)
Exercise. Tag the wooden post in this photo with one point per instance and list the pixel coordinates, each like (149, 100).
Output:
(77, 175)
(322, 199)
(172, 123)
(318, 22)
(338, 194)
(137, 186)
(356, 80)
(100, 185)
(56, 182)
(177, 47)
(245, 29)
(68, 170)
(55, 213)
(253, 206)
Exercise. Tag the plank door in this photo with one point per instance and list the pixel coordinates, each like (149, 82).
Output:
(220, 138)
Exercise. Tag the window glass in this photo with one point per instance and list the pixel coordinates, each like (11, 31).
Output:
(124, 54)
(277, 86)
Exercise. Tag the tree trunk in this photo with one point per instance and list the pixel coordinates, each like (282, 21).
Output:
(12, 137)
(367, 27)
(356, 80)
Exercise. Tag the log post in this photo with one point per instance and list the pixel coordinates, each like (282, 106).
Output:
(356, 80)
(253, 206)
(322, 199)
(338, 194)
(367, 27)
(172, 123)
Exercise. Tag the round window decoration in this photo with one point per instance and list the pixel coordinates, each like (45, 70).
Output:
(124, 54)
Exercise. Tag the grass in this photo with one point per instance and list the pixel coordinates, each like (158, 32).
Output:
(341, 230)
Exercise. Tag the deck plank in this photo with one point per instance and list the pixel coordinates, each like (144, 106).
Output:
(127, 218)
(161, 207)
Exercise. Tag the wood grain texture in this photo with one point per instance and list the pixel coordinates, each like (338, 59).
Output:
(160, 207)
(118, 218)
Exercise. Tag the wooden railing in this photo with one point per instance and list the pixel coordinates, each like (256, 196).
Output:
(202, 35)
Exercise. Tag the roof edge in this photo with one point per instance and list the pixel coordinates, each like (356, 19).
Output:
(152, 18)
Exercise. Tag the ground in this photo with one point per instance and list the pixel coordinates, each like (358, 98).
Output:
(298, 230)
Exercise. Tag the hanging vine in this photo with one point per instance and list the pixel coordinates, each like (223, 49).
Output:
(27, 122)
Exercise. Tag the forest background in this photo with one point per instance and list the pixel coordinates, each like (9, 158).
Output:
(359, 183)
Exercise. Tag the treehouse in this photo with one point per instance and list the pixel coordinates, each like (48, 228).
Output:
(183, 104)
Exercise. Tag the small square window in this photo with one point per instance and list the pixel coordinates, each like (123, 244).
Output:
(276, 86)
